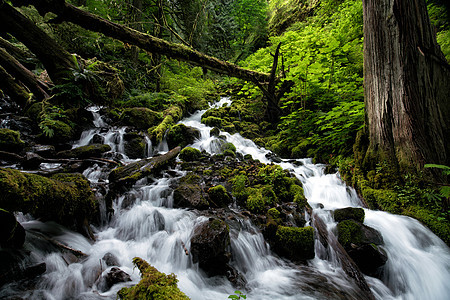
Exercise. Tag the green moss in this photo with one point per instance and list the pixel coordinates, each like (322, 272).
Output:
(140, 117)
(301, 149)
(255, 201)
(190, 154)
(349, 213)
(212, 121)
(62, 132)
(219, 195)
(274, 213)
(64, 198)
(153, 285)
(296, 242)
(94, 150)
(157, 133)
(349, 232)
(239, 189)
(181, 135)
(10, 140)
(268, 194)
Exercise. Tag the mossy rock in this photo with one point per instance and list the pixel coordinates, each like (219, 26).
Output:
(64, 198)
(219, 195)
(349, 213)
(212, 121)
(134, 145)
(10, 140)
(34, 111)
(94, 150)
(61, 132)
(153, 285)
(214, 132)
(140, 117)
(12, 234)
(274, 213)
(256, 202)
(189, 193)
(296, 243)
(301, 150)
(227, 147)
(352, 232)
(190, 154)
(182, 135)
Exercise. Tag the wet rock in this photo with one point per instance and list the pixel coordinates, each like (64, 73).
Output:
(97, 139)
(363, 244)
(140, 117)
(295, 243)
(12, 234)
(114, 276)
(110, 259)
(236, 278)
(10, 141)
(219, 196)
(134, 145)
(214, 132)
(190, 154)
(44, 150)
(189, 193)
(273, 157)
(32, 161)
(182, 135)
(209, 246)
(349, 213)
(94, 150)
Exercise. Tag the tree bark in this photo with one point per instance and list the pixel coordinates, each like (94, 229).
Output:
(12, 88)
(70, 13)
(55, 59)
(407, 85)
(15, 68)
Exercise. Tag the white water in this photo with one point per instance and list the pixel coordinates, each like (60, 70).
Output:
(146, 225)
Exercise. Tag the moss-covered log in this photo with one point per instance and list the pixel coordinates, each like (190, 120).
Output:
(64, 198)
(10, 86)
(70, 13)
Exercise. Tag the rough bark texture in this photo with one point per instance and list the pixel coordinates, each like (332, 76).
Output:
(70, 13)
(15, 68)
(407, 84)
(56, 60)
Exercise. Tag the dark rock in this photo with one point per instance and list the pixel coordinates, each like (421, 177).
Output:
(189, 193)
(140, 117)
(94, 150)
(44, 150)
(10, 140)
(32, 161)
(182, 135)
(209, 246)
(273, 157)
(349, 213)
(114, 276)
(214, 132)
(236, 278)
(97, 139)
(134, 145)
(363, 244)
(12, 234)
(110, 259)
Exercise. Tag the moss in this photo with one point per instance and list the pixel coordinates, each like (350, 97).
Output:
(157, 133)
(239, 189)
(10, 140)
(268, 194)
(296, 242)
(212, 121)
(64, 198)
(274, 213)
(181, 135)
(140, 117)
(62, 132)
(190, 154)
(255, 201)
(135, 146)
(94, 150)
(349, 213)
(229, 153)
(301, 149)
(219, 195)
(34, 111)
(349, 232)
(153, 284)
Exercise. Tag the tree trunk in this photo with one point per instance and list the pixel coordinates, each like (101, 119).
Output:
(70, 13)
(406, 85)
(12, 88)
(55, 59)
(15, 68)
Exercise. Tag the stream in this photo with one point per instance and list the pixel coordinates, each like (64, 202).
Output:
(418, 265)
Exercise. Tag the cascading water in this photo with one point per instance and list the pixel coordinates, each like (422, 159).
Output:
(146, 225)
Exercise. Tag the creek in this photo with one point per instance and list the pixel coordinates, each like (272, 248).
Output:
(418, 265)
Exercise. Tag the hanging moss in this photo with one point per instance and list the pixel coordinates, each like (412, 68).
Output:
(153, 285)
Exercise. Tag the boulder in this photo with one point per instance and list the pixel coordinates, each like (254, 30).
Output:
(295, 243)
(209, 246)
(10, 141)
(134, 145)
(94, 150)
(12, 234)
(219, 196)
(189, 193)
(190, 154)
(182, 135)
(140, 117)
(349, 213)
(363, 244)
(114, 276)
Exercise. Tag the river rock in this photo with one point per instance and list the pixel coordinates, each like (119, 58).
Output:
(10, 141)
(209, 246)
(349, 213)
(12, 234)
(114, 276)
(134, 145)
(140, 117)
(295, 243)
(363, 244)
(182, 135)
(110, 259)
(189, 193)
(94, 150)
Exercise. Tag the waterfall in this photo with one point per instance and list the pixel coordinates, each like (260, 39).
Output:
(146, 225)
